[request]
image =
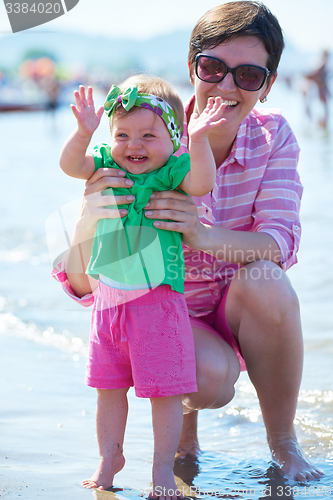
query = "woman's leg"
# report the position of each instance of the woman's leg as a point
(111, 416)
(262, 311)
(167, 415)
(217, 372)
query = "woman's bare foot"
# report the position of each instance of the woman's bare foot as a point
(188, 443)
(102, 479)
(287, 453)
(164, 484)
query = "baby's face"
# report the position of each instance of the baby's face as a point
(140, 142)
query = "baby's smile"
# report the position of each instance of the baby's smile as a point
(137, 159)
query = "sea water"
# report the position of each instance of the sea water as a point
(235, 462)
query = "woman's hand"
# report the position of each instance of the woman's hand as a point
(94, 203)
(93, 209)
(182, 211)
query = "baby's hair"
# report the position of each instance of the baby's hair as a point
(148, 84)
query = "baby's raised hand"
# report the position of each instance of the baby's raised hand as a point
(84, 110)
(210, 118)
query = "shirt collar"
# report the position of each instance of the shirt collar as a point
(238, 148)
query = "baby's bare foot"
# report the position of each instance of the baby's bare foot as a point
(288, 454)
(102, 479)
(164, 484)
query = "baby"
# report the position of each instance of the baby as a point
(140, 333)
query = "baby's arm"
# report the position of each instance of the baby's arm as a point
(74, 159)
(200, 179)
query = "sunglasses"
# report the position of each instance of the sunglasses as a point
(247, 76)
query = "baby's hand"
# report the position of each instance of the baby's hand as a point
(87, 118)
(212, 117)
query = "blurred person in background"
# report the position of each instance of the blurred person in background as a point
(319, 79)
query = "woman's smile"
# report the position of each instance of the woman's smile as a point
(230, 104)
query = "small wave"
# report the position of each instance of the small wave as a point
(64, 341)
(248, 414)
(18, 254)
(23, 254)
(323, 432)
(313, 418)
(316, 396)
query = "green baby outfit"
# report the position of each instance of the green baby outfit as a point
(130, 250)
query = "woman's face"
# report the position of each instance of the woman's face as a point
(241, 50)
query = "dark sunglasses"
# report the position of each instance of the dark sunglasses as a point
(247, 76)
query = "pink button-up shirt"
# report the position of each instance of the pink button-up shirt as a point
(257, 189)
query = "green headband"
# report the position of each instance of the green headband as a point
(131, 97)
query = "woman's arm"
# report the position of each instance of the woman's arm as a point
(239, 247)
(93, 209)
(277, 204)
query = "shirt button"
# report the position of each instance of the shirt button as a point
(213, 204)
(296, 228)
(216, 293)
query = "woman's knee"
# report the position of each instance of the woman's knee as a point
(228, 377)
(215, 380)
(264, 285)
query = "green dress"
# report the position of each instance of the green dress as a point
(130, 250)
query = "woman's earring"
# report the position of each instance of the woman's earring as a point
(264, 99)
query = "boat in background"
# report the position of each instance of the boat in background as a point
(6, 107)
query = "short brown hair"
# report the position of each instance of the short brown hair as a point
(231, 20)
(149, 84)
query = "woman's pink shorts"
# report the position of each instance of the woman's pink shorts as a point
(146, 342)
(216, 323)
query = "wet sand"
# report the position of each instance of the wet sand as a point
(47, 422)
(48, 441)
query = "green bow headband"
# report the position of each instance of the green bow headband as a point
(131, 97)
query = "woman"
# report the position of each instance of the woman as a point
(240, 238)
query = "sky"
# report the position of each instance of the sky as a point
(306, 23)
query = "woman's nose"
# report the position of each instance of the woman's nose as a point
(227, 84)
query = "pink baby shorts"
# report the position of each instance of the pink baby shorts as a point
(146, 342)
